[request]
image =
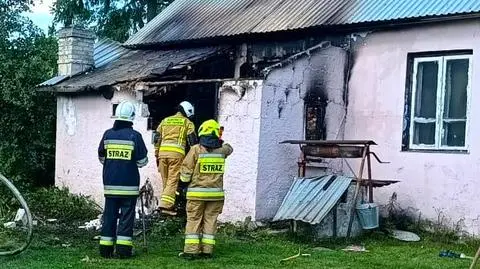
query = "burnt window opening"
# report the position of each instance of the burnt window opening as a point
(202, 96)
(436, 101)
(163, 102)
(114, 107)
(315, 109)
(107, 92)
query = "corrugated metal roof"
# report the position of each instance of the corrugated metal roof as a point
(106, 51)
(135, 66)
(52, 81)
(390, 10)
(311, 199)
(200, 19)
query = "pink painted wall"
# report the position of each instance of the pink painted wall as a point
(431, 182)
(81, 122)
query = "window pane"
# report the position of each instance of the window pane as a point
(454, 134)
(426, 90)
(456, 82)
(424, 133)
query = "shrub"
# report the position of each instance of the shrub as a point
(60, 204)
(168, 227)
(398, 217)
(8, 205)
(443, 229)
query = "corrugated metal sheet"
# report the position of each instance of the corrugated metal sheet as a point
(390, 10)
(52, 81)
(311, 199)
(200, 19)
(107, 51)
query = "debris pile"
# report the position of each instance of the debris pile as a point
(95, 224)
(10, 225)
(404, 236)
(355, 248)
(20, 220)
(452, 254)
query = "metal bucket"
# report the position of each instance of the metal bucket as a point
(368, 215)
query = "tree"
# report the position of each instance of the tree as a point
(71, 12)
(27, 117)
(116, 19)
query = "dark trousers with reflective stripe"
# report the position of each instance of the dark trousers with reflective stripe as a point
(124, 210)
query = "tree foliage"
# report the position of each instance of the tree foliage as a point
(71, 12)
(116, 19)
(27, 117)
(28, 57)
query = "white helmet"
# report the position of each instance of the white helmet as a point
(187, 108)
(125, 111)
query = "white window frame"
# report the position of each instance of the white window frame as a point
(440, 103)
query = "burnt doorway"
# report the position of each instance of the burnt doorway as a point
(163, 102)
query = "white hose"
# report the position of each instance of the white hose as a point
(22, 201)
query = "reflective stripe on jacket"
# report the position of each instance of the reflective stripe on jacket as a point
(204, 170)
(173, 133)
(205, 194)
(122, 152)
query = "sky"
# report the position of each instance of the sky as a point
(40, 14)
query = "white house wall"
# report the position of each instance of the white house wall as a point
(283, 118)
(434, 184)
(81, 122)
(241, 119)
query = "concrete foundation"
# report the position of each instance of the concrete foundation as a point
(328, 229)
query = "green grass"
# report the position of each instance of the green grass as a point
(233, 252)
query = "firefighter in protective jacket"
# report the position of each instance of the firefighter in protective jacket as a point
(121, 151)
(176, 134)
(203, 170)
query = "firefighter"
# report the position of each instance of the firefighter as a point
(121, 151)
(175, 135)
(202, 170)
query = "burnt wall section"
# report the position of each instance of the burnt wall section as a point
(261, 54)
(319, 73)
(327, 81)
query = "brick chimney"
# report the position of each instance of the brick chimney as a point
(75, 50)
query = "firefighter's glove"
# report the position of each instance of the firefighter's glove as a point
(182, 188)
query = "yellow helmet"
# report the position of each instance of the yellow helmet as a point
(209, 127)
